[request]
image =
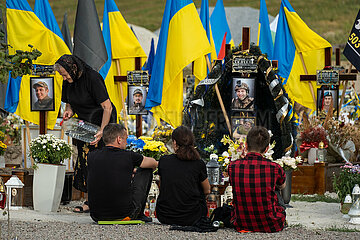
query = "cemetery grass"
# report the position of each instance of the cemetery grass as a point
(330, 19)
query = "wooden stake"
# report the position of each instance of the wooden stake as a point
(122, 95)
(29, 139)
(344, 90)
(220, 99)
(245, 38)
(24, 142)
(306, 73)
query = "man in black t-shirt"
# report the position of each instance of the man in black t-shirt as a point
(114, 191)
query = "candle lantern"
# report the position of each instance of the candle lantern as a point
(213, 168)
(321, 153)
(354, 211)
(14, 192)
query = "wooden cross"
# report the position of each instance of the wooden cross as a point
(342, 76)
(122, 79)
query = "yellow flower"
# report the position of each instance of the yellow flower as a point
(3, 145)
(212, 125)
(203, 135)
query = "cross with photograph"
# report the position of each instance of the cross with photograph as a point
(243, 94)
(241, 126)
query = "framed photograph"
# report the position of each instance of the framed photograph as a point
(243, 94)
(326, 97)
(241, 126)
(136, 100)
(42, 94)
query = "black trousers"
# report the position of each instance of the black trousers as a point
(141, 184)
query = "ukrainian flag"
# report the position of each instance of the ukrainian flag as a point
(121, 45)
(200, 65)
(265, 41)
(293, 39)
(23, 28)
(182, 40)
(220, 26)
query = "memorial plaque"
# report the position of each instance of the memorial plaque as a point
(327, 77)
(138, 78)
(244, 64)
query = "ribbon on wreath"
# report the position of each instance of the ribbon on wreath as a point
(306, 146)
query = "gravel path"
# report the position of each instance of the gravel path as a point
(306, 220)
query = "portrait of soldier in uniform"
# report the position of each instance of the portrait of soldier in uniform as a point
(325, 100)
(137, 104)
(242, 99)
(44, 101)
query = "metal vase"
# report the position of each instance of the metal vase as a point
(286, 192)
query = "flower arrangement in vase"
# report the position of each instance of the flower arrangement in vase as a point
(288, 163)
(49, 149)
(345, 181)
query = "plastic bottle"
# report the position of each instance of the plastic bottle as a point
(211, 203)
(80, 130)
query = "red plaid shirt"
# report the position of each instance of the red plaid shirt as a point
(255, 202)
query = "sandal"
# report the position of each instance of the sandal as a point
(81, 209)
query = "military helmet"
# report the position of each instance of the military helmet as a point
(242, 86)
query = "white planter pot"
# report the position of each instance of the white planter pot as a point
(48, 186)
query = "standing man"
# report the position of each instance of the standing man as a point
(118, 180)
(242, 100)
(256, 183)
(44, 102)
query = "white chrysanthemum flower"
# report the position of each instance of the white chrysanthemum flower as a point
(225, 154)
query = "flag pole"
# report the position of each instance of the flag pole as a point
(306, 73)
(219, 97)
(344, 89)
(122, 95)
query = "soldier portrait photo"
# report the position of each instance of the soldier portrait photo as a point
(324, 100)
(241, 126)
(243, 94)
(136, 100)
(42, 94)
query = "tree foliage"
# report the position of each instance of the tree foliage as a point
(19, 63)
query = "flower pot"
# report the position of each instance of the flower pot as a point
(312, 156)
(286, 192)
(48, 187)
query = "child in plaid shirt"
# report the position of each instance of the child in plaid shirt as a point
(255, 181)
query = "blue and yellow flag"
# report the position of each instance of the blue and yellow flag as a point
(182, 40)
(220, 26)
(121, 45)
(265, 41)
(295, 41)
(200, 66)
(23, 28)
(150, 60)
(44, 12)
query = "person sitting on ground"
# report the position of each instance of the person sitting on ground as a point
(183, 182)
(114, 192)
(256, 182)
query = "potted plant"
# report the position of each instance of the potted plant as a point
(346, 180)
(289, 164)
(48, 152)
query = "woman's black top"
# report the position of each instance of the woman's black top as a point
(181, 200)
(85, 96)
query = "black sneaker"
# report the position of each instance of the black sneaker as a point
(144, 218)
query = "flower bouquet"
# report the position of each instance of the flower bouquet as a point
(288, 163)
(11, 127)
(147, 146)
(236, 148)
(312, 136)
(346, 180)
(49, 149)
(3, 147)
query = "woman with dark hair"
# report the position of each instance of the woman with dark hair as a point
(85, 94)
(183, 182)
